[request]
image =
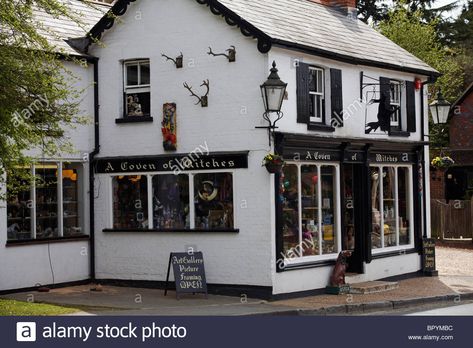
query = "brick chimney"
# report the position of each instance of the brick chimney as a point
(347, 6)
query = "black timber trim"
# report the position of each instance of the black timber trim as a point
(321, 127)
(23, 242)
(349, 59)
(171, 230)
(265, 42)
(50, 286)
(252, 291)
(134, 119)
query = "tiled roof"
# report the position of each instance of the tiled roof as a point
(325, 29)
(295, 24)
(58, 30)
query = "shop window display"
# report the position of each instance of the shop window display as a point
(19, 206)
(213, 200)
(130, 202)
(47, 201)
(391, 201)
(171, 201)
(290, 204)
(72, 202)
(309, 227)
(52, 219)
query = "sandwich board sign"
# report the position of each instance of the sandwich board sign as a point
(189, 273)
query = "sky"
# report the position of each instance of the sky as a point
(440, 3)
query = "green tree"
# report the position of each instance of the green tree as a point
(377, 10)
(37, 100)
(461, 37)
(410, 31)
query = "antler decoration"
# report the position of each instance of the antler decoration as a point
(177, 61)
(231, 56)
(203, 100)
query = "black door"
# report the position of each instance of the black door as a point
(352, 209)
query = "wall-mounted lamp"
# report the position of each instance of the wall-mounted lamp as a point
(273, 92)
(440, 109)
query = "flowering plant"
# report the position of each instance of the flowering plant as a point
(273, 159)
(442, 162)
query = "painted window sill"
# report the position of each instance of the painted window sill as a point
(170, 230)
(399, 252)
(23, 242)
(305, 265)
(320, 127)
(134, 119)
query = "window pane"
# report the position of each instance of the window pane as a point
(46, 201)
(290, 203)
(132, 75)
(312, 112)
(329, 244)
(404, 206)
(130, 202)
(213, 200)
(320, 81)
(138, 104)
(73, 204)
(389, 206)
(19, 207)
(312, 80)
(144, 74)
(310, 210)
(376, 210)
(171, 201)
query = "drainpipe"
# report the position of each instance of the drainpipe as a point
(95, 62)
(430, 80)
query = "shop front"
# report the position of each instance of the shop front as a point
(346, 195)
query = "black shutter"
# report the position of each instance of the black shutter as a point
(336, 97)
(411, 106)
(303, 93)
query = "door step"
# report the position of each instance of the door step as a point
(372, 287)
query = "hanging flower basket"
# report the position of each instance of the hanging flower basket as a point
(273, 163)
(442, 162)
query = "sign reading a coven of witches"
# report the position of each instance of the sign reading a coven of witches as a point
(189, 273)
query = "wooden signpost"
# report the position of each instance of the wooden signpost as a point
(189, 273)
(428, 257)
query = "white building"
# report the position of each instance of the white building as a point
(353, 179)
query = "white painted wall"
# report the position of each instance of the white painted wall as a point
(354, 125)
(172, 26)
(151, 28)
(28, 265)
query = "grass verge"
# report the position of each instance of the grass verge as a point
(18, 308)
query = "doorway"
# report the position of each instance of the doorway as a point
(352, 210)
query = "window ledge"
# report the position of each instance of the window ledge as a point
(399, 252)
(134, 119)
(398, 133)
(320, 127)
(170, 230)
(304, 265)
(22, 242)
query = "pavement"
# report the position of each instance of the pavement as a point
(453, 287)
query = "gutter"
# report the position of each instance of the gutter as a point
(92, 155)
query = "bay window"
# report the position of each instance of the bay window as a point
(392, 206)
(310, 210)
(201, 201)
(51, 206)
